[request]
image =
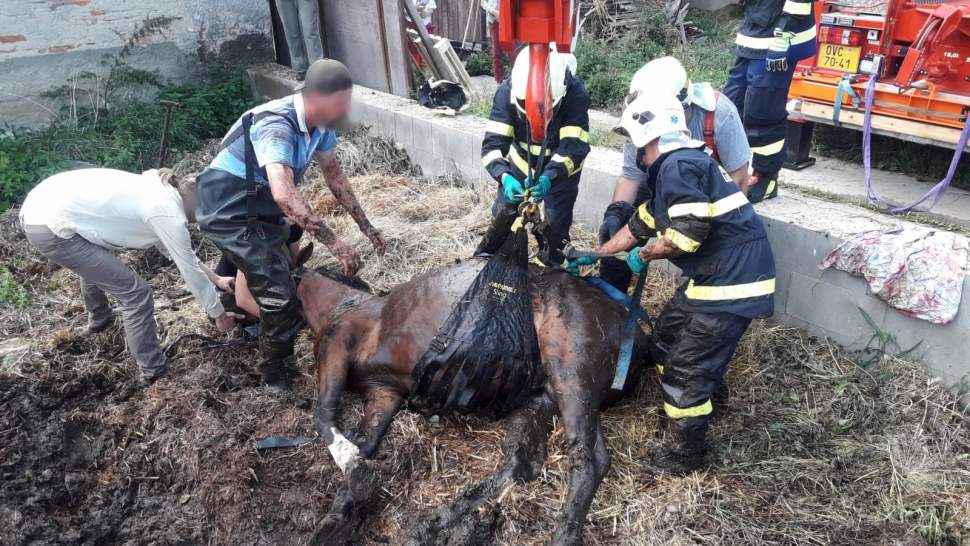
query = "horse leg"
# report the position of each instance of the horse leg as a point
(589, 459)
(461, 522)
(380, 407)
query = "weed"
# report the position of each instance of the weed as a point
(481, 107)
(881, 344)
(12, 294)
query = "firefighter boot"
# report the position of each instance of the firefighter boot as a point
(682, 451)
(273, 357)
(762, 186)
(720, 401)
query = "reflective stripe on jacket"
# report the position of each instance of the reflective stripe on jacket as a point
(506, 147)
(762, 17)
(698, 208)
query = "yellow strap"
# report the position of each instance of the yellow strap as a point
(730, 292)
(708, 210)
(647, 218)
(571, 168)
(534, 150)
(797, 8)
(697, 411)
(492, 156)
(769, 149)
(499, 128)
(681, 241)
(573, 131)
(517, 224)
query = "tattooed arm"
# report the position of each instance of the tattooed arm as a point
(295, 208)
(337, 181)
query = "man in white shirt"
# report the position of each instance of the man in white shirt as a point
(77, 218)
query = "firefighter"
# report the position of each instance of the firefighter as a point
(248, 198)
(507, 150)
(774, 36)
(705, 226)
(706, 113)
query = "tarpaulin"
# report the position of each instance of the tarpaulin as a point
(917, 270)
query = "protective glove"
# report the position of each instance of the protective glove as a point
(777, 60)
(617, 215)
(537, 192)
(514, 191)
(573, 265)
(635, 262)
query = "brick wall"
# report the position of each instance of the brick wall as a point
(45, 43)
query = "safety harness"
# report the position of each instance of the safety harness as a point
(709, 128)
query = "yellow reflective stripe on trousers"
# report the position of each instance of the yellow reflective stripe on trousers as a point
(697, 411)
(681, 241)
(572, 131)
(660, 368)
(647, 218)
(492, 156)
(764, 43)
(571, 168)
(730, 292)
(499, 128)
(534, 150)
(520, 163)
(769, 149)
(797, 8)
(708, 210)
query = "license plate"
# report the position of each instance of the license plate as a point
(839, 57)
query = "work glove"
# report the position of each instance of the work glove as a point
(635, 262)
(573, 265)
(777, 60)
(538, 191)
(617, 215)
(514, 191)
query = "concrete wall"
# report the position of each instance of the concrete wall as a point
(802, 231)
(45, 43)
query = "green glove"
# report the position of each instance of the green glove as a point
(514, 190)
(635, 262)
(573, 265)
(538, 192)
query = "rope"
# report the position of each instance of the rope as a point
(936, 191)
(212, 344)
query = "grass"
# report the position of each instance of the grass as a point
(12, 293)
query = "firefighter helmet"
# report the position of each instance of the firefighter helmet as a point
(656, 115)
(663, 74)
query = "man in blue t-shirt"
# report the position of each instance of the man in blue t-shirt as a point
(247, 199)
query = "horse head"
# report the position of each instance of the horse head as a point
(326, 293)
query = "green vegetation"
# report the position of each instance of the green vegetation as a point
(12, 294)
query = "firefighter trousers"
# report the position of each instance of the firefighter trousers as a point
(557, 206)
(260, 255)
(691, 351)
(761, 98)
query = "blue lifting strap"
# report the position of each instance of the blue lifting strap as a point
(270, 443)
(619, 297)
(845, 87)
(626, 346)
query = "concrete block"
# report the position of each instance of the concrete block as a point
(832, 308)
(945, 345)
(422, 159)
(422, 134)
(385, 123)
(840, 278)
(403, 129)
(455, 144)
(962, 319)
(799, 249)
(782, 280)
(362, 113)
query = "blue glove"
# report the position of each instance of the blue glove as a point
(538, 192)
(514, 190)
(635, 262)
(573, 265)
(777, 59)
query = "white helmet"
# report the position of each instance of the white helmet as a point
(558, 68)
(663, 74)
(656, 115)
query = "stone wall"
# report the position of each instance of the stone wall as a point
(802, 231)
(47, 43)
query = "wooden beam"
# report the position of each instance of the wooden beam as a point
(896, 127)
(412, 11)
(444, 46)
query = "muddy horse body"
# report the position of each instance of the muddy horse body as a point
(369, 344)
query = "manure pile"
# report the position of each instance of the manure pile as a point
(814, 449)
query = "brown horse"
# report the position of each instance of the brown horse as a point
(369, 344)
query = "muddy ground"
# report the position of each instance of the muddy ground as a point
(814, 448)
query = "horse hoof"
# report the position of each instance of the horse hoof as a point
(361, 480)
(334, 529)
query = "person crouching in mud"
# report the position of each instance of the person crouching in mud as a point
(705, 226)
(77, 218)
(248, 196)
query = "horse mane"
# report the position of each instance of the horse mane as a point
(354, 282)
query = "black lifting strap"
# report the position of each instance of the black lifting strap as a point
(246, 122)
